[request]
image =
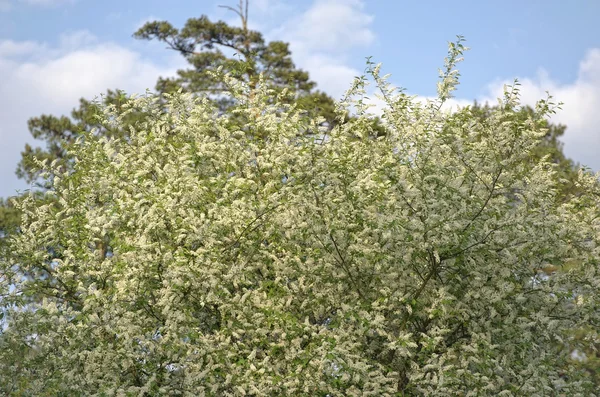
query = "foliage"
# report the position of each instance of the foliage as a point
(550, 145)
(193, 259)
(60, 132)
(9, 217)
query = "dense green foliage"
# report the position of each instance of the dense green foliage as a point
(196, 258)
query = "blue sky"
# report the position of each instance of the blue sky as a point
(52, 52)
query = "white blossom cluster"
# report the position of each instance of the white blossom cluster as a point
(196, 259)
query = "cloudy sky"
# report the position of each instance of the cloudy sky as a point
(53, 52)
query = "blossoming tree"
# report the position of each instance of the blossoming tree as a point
(196, 259)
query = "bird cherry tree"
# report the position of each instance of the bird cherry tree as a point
(329, 263)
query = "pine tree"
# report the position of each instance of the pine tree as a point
(211, 46)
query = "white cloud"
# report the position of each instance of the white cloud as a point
(333, 26)
(11, 49)
(580, 112)
(332, 75)
(321, 38)
(41, 79)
